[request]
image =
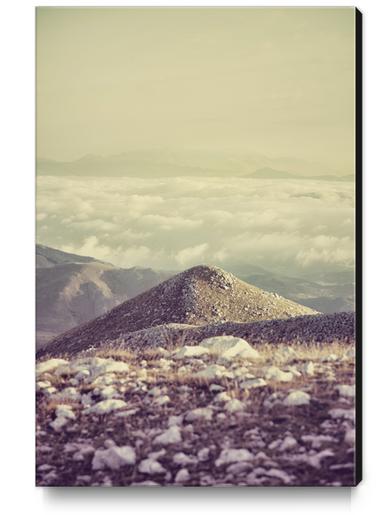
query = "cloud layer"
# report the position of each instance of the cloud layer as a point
(174, 223)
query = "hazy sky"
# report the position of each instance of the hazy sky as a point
(275, 81)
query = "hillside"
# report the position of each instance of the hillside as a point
(199, 296)
(72, 289)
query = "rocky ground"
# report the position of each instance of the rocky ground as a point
(214, 414)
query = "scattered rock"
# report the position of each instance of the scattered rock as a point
(171, 436)
(199, 413)
(151, 467)
(229, 347)
(346, 390)
(253, 383)
(190, 352)
(297, 398)
(49, 365)
(107, 406)
(275, 374)
(233, 456)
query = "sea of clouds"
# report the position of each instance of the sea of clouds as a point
(174, 223)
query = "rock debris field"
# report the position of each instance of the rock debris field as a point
(216, 413)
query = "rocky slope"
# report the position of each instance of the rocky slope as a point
(200, 296)
(220, 413)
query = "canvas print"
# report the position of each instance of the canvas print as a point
(198, 231)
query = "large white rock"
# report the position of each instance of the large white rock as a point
(229, 347)
(190, 351)
(297, 398)
(180, 458)
(233, 456)
(170, 436)
(49, 365)
(114, 457)
(213, 372)
(253, 383)
(346, 390)
(64, 410)
(276, 374)
(199, 414)
(348, 414)
(59, 422)
(107, 406)
(151, 466)
(234, 406)
(182, 476)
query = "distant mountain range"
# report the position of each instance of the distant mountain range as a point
(72, 290)
(271, 173)
(164, 163)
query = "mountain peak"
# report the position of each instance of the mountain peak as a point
(202, 295)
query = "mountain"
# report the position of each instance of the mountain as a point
(47, 257)
(200, 296)
(152, 163)
(328, 293)
(271, 173)
(72, 289)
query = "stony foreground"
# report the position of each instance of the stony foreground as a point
(220, 413)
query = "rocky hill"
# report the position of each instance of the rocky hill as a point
(200, 296)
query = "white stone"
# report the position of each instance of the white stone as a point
(317, 441)
(109, 392)
(175, 420)
(222, 397)
(350, 436)
(203, 454)
(58, 423)
(348, 414)
(151, 466)
(70, 393)
(213, 372)
(346, 390)
(182, 476)
(49, 365)
(113, 458)
(229, 347)
(297, 398)
(233, 456)
(107, 406)
(309, 368)
(275, 374)
(199, 413)
(234, 406)
(171, 436)
(216, 388)
(280, 474)
(180, 458)
(288, 443)
(253, 383)
(64, 410)
(162, 400)
(42, 385)
(189, 351)
(316, 459)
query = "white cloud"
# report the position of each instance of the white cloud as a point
(178, 222)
